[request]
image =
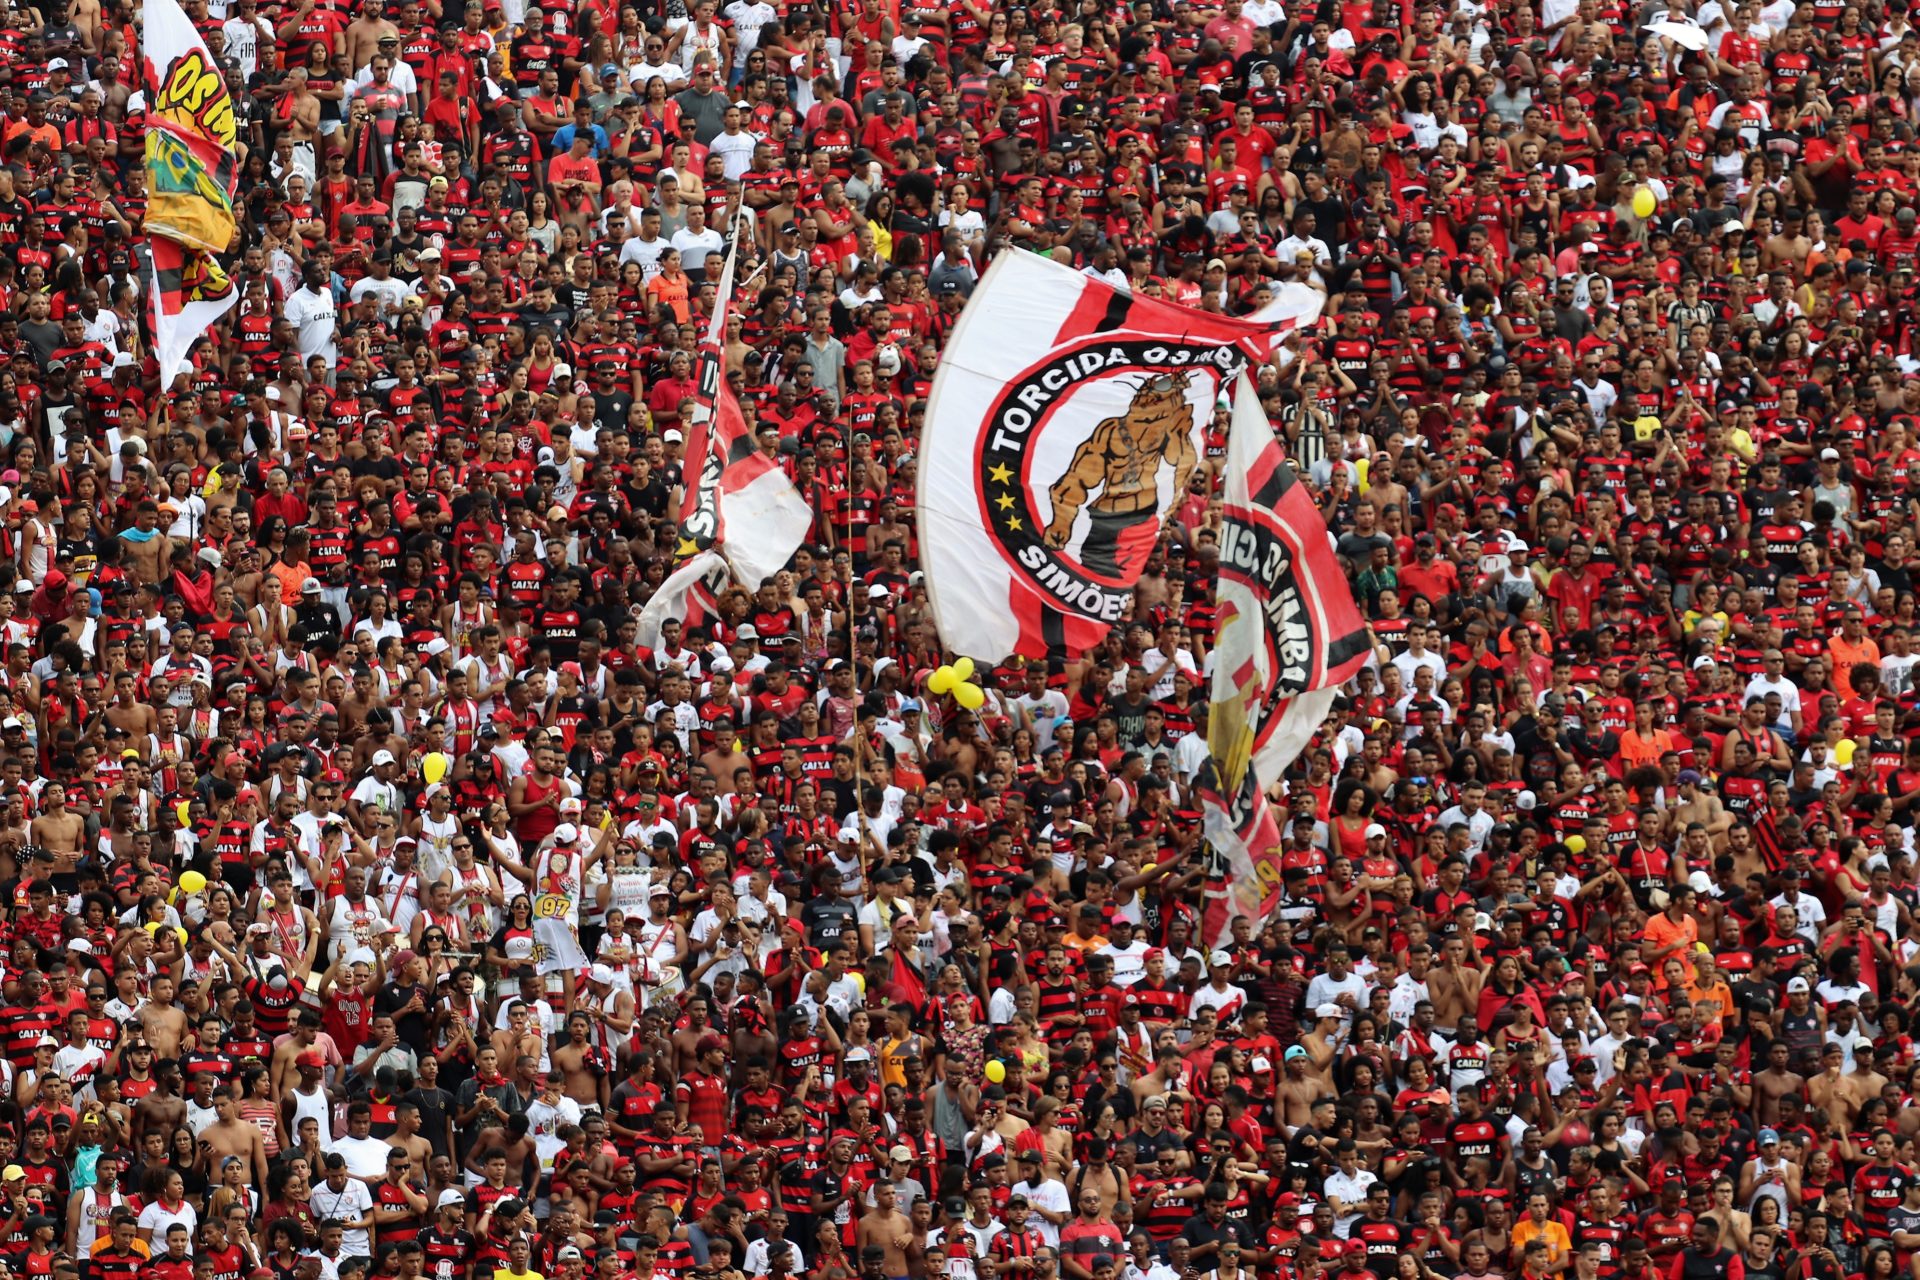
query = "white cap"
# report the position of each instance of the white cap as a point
(1589, 247)
(1327, 1011)
(562, 370)
(601, 974)
(566, 833)
(1375, 829)
(1220, 960)
(672, 435)
(1516, 547)
(1829, 455)
(310, 587)
(451, 1195)
(428, 254)
(12, 722)
(570, 805)
(437, 646)
(1796, 986)
(58, 64)
(123, 360)
(857, 1054)
(1699, 882)
(383, 757)
(1526, 800)
(877, 591)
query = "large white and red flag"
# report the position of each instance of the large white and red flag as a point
(740, 512)
(1064, 424)
(1287, 634)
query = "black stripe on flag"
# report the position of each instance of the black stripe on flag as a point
(1118, 307)
(1053, 629)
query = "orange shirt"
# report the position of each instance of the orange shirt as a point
(1662, 933)
(1636, 751)
(1847, 655)
(672, 293)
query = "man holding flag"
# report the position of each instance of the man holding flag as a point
(731, 487)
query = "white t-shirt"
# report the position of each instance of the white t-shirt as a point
(156, 1218)
(696, 246)
(365, 1157)
(1049, 1194)
(313, 316)
(349, 1204)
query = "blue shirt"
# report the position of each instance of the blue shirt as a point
(563, 139)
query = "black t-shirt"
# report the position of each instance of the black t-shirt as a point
(411, 1028)
(828, 921)
(435, 1104)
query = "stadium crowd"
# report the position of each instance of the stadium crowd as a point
(377, 906)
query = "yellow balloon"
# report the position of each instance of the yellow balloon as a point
(963, 669)
(181, 809)
(192, 882)
(1843, 752)
(941, 680)
(434, 767)
(996, 1070)
(1576, 844)
(969, 696)
(1644, 203)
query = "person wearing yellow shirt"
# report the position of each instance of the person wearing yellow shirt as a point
(519, 1255)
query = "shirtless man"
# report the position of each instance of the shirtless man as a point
(147, 552)
(163, 1025)
(229, 1135)
(163, 1109)
(1790, 246)
(724, 760)
(1293, 1099)
(58, 830)
(1454, 985)
(1700, 807)
(408, 1138)
(1774, 1083)
(1832, 1092)
(582, 1078)
(127, 711)
(298, 111)
(885, 1227)
(520, 1037)
(363, 35)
